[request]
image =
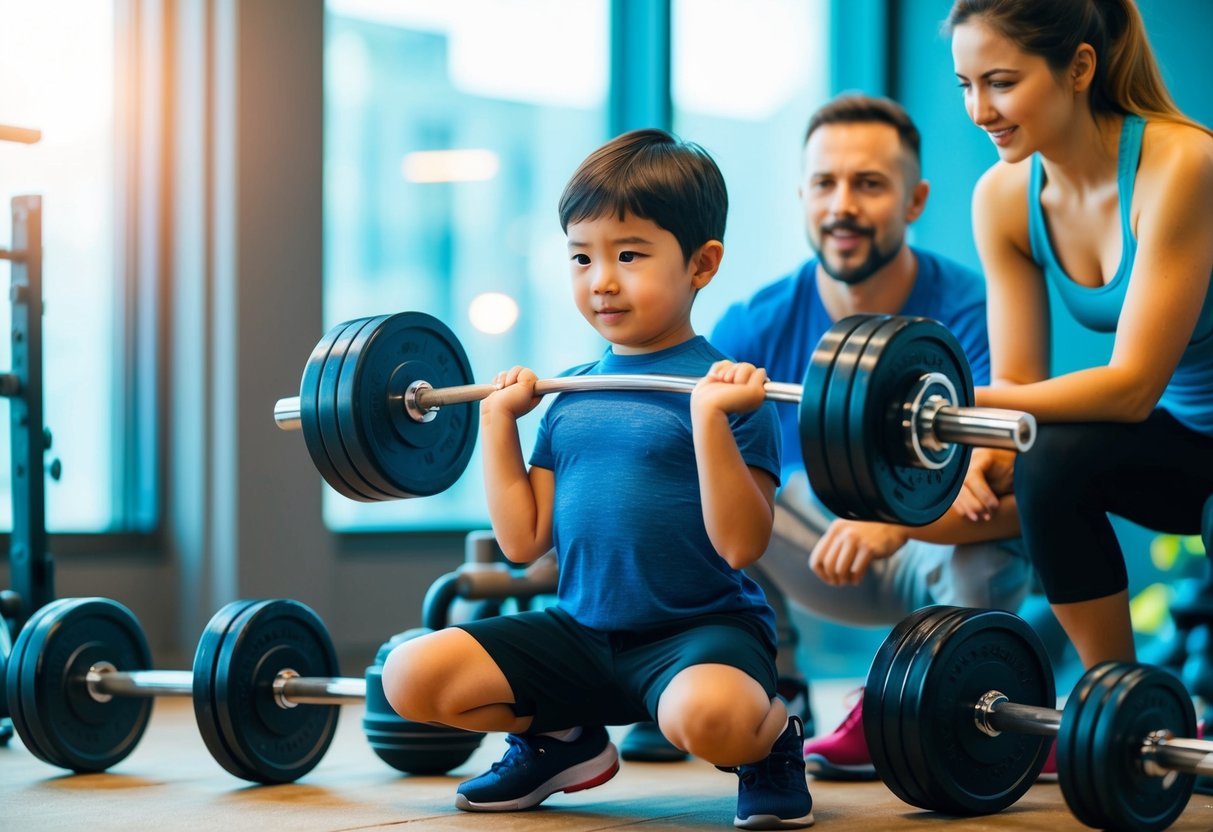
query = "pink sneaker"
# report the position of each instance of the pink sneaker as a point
(843, 755)
(1048, 774)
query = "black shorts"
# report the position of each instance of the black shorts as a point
(565, 674)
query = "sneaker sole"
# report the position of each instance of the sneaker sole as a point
(822, 769)
(774, 822)
(593, 772)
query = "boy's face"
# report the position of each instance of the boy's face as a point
(631, 283)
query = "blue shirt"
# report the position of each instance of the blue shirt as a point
(779, 327)
(627, 518)
(1189, 394)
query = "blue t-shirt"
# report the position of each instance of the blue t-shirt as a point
(779, 327)
(1189, 394)
(627, 518)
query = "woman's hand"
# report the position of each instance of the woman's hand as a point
(991, 475)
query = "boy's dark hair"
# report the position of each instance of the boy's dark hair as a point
(853, 108)
(653, 175)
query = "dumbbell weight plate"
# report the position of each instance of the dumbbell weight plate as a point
(896, 355)
(414, 458)
(883, 692)
(309, 415)
(13, 681)
(1100, 770)
(963, 770)
(272, 743)
(1072, 749)
(57, 718)
(206, 664)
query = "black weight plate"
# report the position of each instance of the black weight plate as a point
(1077, 726)
(14, 680)
(206, 713)
(309, 413)
(913, 779)
(71, 728)
(814, 437)
(1130, 702)
(894, 359)
(881, 695)
(835, 485)
(417, 458)
(873, 696)
(280, 744)
(863, 443)
(966, 771)
(335, 442)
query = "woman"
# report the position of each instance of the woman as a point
(1113, 205)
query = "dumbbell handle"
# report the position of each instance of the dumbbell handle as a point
(981, 426)
(1161, 753)
(290, 689)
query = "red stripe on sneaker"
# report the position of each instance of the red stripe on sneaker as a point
(595, 781)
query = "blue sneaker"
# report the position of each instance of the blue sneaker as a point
(535, 767)
(773, 793)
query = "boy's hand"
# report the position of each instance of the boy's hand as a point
(515, 394)
(730, 388)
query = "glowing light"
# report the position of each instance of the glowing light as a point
(450, 166)
(493, 312)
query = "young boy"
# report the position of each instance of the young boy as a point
(654, 503)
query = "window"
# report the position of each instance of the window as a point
(450, 131)
(59, 77)
(746, 77)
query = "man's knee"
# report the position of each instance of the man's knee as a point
(993, 575)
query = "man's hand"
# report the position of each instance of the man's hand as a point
(844, 553)
(730, 388)
(991, 475)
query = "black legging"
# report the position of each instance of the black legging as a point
(1156, 473)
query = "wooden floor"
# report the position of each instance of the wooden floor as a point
(170, 782)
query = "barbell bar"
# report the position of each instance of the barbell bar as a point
(263, 684)
(959, 707)
(885, 412)
(987, 427)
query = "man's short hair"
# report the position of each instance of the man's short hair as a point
(653, 175)
(854, 108)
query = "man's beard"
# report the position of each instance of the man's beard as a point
(875, 261)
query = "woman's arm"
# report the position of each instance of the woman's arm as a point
(1167, 288)
(738, 501)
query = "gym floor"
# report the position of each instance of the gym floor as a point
(171, 782)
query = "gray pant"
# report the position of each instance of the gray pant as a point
(993, 575)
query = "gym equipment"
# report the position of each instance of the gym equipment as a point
(263, 685)
(383, 408)
(958, 711)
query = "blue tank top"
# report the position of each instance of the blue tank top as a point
(1189, 394)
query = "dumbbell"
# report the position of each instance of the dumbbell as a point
(885, 412)
(264, 686)
(958, 711)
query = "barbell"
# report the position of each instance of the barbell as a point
(959, 709)
(885, 412)
(264, 686)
